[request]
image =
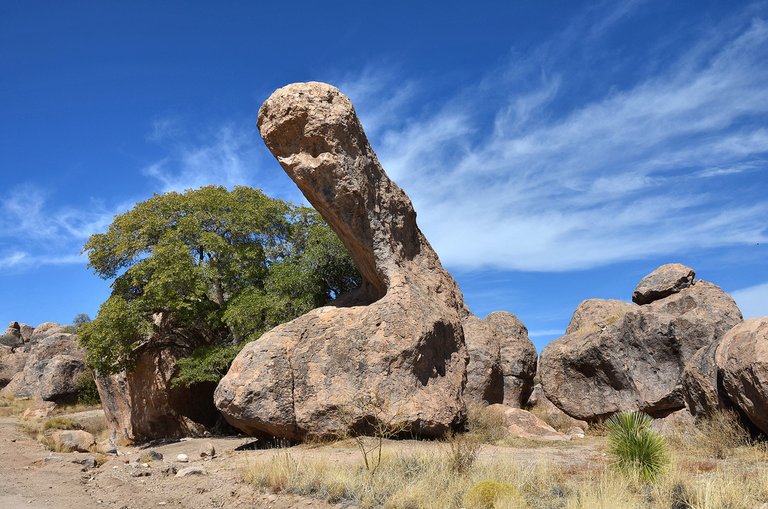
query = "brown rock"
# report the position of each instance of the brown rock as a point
(502, 360)
(742, 361)
(678, 423)
(12, 362)
(399, 340)
(12, 336)
(141, 404)
(71, 440)
(54, 363)
(45, 329)
(633, 362)
(662, 282)
(539, 404)
(700, 385)
(523, 424)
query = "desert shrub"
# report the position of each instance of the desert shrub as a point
(720, 433)
(61, 423)
(462, 452)
(87, 393)
(635, 447)
(490, 494)
(486, 426)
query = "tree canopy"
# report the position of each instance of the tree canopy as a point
(225, 265)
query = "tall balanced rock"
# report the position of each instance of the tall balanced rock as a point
(399, 345)
(502, 360)
(618, 356)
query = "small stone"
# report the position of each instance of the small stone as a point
(141, 473)
(207, 450)
(87, 462)
(155, 455)
(182, 458)
(184, 472)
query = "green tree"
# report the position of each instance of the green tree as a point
(225, 266)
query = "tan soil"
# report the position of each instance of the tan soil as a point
(32, 477)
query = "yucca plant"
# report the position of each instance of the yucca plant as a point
(635, 447)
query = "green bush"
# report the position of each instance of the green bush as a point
(491, 494)
(87, 393)
(635, 447)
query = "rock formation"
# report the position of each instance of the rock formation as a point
(396, 351)
(742, 361)
(618, 356)
(523, 424)
(141, 404)
(539, 404)
(700, 383)
(54, 361)
(12, 361)
(663, 282)
(502, 360)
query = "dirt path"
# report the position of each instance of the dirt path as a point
(32, 477)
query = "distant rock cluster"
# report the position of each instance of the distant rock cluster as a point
(43, 362)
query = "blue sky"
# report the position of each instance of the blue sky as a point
(554, 151)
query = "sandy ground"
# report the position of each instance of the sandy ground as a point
(32, 477)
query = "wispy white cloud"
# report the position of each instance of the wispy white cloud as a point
(753, 300)
(516, 181)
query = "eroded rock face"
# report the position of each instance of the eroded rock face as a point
(621, 357)
(141, 404)
(542, 406)
(742, 359)
(700, 385)
(400, 337)
(663, 282)
(523, 424)
(54, 363)
(502, 360)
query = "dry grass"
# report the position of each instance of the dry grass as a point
(440, 475)
(10, 406)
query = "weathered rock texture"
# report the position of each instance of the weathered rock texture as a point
(502, 360)
(617, 356)
(53, 364)
(12, 361)
(141, 404)
(400, 339)
(540, 405)
(700, 383)
(523, 424)
(663, 282)
(742, 360)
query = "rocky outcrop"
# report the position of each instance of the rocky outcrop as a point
(393, 350)
(619, 357)
(663, 282)
(53, 364)
(742, 361)
(502, 360)
(142, 404)
(44, 330)
(523, 424)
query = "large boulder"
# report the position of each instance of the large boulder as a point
(742, 361)
(54, 364)
(12, 361)
(12, 336)
(44, 330)
(502, 360)
(142, 404)
(393, 350)
(663, 282)
(619, 357)
(523, 424)
(540, 405)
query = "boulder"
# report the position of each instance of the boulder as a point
(502, 360)
(621, 357)
(742, 362)
(45, 329)
(12, 361)
(12, 336)
(71, 440)
(523, 424)
(393, 350)
(53, 365)
(663, 282)
(142, 405)
(540, 405)
(677, 424)
(700, 385)
(26, 331)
